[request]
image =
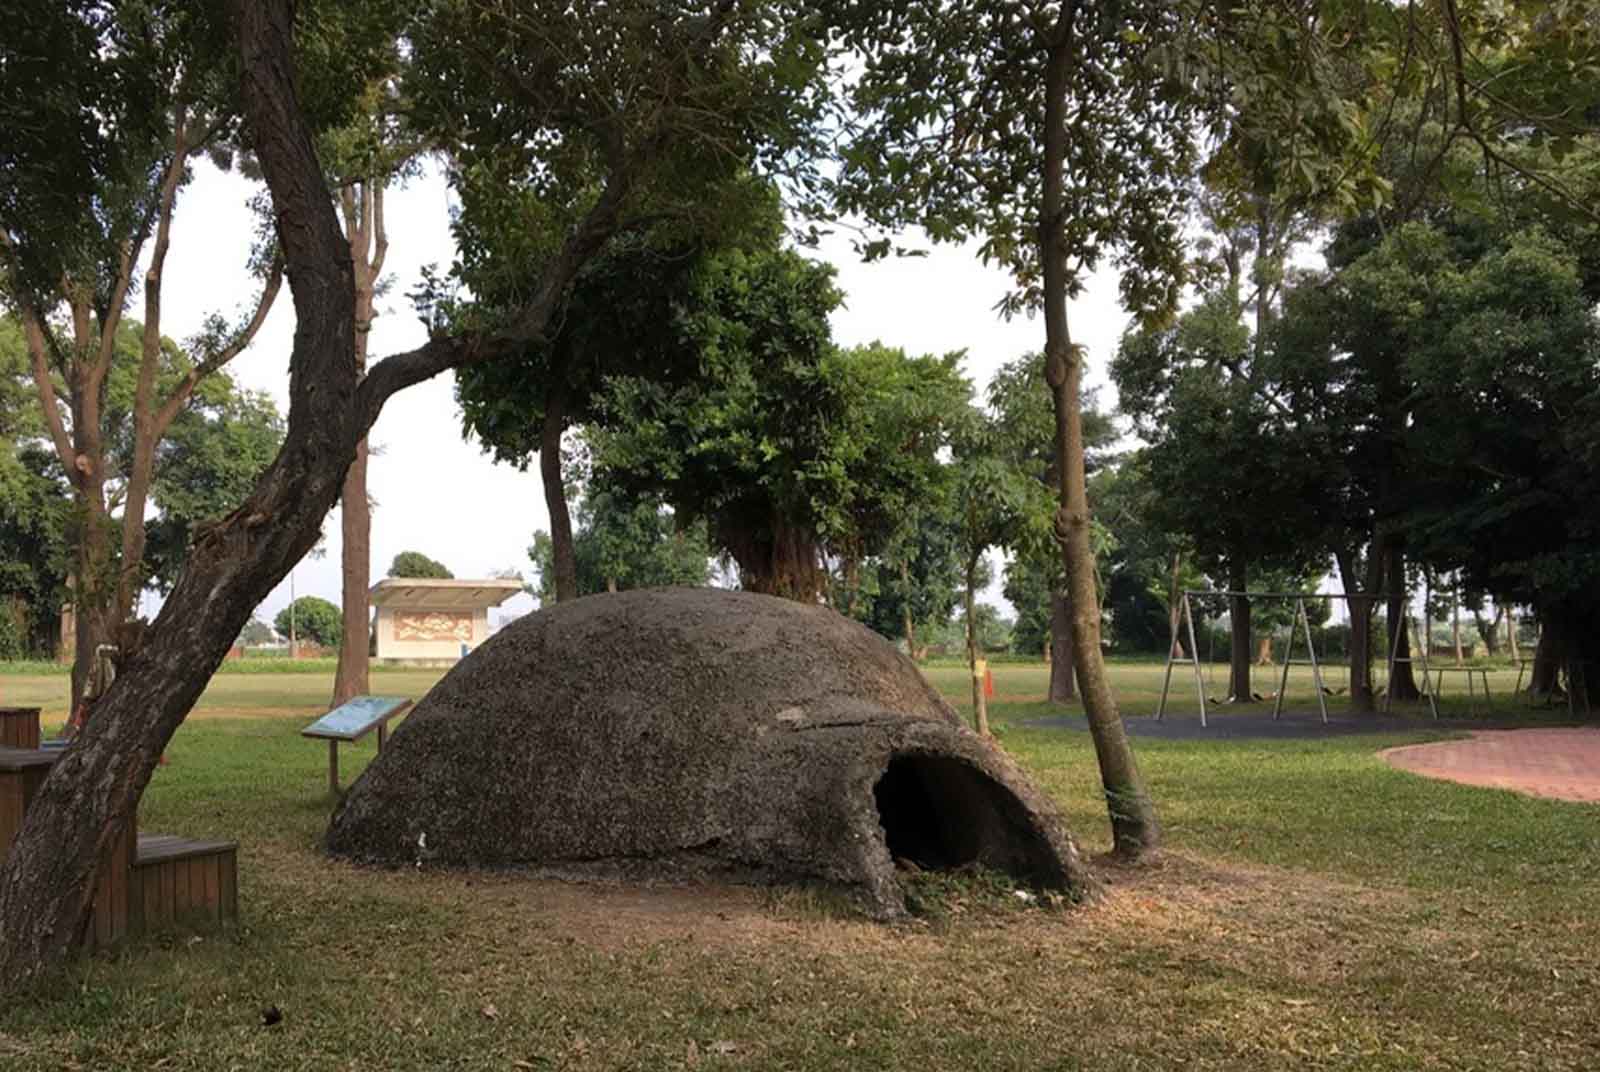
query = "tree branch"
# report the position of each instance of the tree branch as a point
(235, 346)
(35, 333)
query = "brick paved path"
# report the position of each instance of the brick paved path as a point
(1560, 763)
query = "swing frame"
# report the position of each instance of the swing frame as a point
(1185, 621)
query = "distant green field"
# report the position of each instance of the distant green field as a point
(276, 685)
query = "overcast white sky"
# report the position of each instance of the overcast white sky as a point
(439, 494)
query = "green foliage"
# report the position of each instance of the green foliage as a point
(785, 446)
(926, 156)
(636, 118)
(623, 318)
(255, 633)
(206, 465)
(417, 564)
(994, 632)
(1229, 469)
(623, 542)
(312, 618)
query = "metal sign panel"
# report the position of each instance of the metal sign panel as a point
(356, 718)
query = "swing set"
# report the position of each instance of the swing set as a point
(1183, 624)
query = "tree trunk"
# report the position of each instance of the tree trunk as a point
(369, 243)
(94, 599)
(1511, 633)
(1062, 676)
(1362, 699)
(1134, 828)
(1548, 656)
(1455, 631)
(555, 492)
(1239, 654)
(1489, 630)
(1402, 683)
(92, 791)
(781, 561)
(905, 606)
(980, 704)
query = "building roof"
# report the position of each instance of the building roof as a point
(417, 593)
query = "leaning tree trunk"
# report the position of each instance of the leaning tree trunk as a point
(90, 794)
(1239, 636)
(1402, 682)
(1062, 676)
(555, 492)
(980, 704)
(1134, 828)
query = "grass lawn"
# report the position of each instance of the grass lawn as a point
(1316, 909)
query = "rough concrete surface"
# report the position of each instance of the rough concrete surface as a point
(687, 732)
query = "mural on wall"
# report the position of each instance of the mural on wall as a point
(432, 625)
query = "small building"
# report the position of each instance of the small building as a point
(433, 621)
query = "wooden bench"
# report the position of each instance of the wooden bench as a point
(147, 882)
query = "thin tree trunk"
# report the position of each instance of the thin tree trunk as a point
(980, 705)
(1511, 633)
(1134, 828)
(1239, 635)
(905, 606)
(1455, 630)
(555, 493)
(1362, 696)
(1062, 676)
(369, 243)
(1402, 683)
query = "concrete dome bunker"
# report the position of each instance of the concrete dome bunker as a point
(681, 733)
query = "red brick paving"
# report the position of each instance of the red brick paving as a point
(1559, 763)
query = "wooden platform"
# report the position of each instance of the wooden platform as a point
(148, 882)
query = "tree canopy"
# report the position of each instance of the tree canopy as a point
(417, 564)
(310, 618)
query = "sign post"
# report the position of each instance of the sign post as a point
(352, 721)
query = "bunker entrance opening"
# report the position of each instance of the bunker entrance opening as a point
(940, 814)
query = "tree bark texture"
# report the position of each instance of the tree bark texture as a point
(1134, 828)
(1239, 654)
(780, 560)
(1063, 680)
(980, 705)
(555, 492)
(364, 229)
(905, 606)
(46, 881)
(1549, 656)
(1402, 682)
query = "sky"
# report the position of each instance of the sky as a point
(437, 493)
